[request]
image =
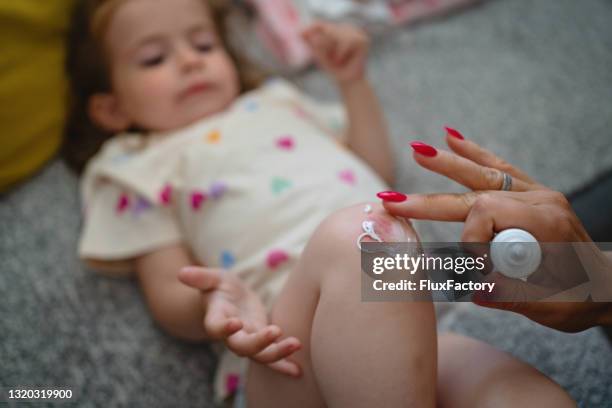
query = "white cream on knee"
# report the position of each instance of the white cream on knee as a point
(382, 227)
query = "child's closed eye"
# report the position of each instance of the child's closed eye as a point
(204, 47)
(203, 41)
(152, 61)
(151, 55)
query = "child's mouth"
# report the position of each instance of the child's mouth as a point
(194, 90)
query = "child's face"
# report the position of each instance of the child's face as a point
(168, 67)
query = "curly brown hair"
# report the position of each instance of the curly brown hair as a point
(87, 72)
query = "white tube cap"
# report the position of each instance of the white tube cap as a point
(519, 256)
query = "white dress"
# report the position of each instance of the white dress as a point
(243, 190)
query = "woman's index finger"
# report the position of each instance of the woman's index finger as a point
(434, 207)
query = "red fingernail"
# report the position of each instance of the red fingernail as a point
(424, 149)
(454, 133)
(392, 196)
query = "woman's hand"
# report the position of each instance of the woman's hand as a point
(235, 315)
(339, 49)
(486, 211)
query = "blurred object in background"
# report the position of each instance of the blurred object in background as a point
(375, 15)
(279, 22)
(32, 85)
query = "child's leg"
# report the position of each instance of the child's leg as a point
(355, 354)
(473, 374)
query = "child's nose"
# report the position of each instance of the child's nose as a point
(189, 59)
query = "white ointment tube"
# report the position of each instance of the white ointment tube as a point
(515, 253)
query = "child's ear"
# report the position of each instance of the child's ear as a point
(105, 111)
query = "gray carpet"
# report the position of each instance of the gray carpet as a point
(529, 79)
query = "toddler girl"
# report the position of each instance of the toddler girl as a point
(201, 171)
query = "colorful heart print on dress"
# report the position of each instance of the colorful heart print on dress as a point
(280, 184)
(217, 189)
(197, 199)
(165, 195)
(251, 106)
(213, 137)
(301, 113)
(276, 257)
(227, 259)
(141, 205)
(348, 176)
(122, 203)
(285, 143)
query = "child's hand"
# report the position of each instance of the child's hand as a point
(339, 49)
(235, 315)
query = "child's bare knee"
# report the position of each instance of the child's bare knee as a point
(343, 231)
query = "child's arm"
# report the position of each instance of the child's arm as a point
(341, 50)
(177, 308)
(199, 304)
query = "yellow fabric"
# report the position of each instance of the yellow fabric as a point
(32, 84)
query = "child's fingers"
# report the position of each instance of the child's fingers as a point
(199, 277)
(321, 56)
(250, 344)
(278, 351)
(286, 367)
(321, 28)
(315, 27)
(320, 37)
(350, 41)
(314, 35)
(218, 325)
(343, 50)
(315, 43)
(316, 46)
(325, 43)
